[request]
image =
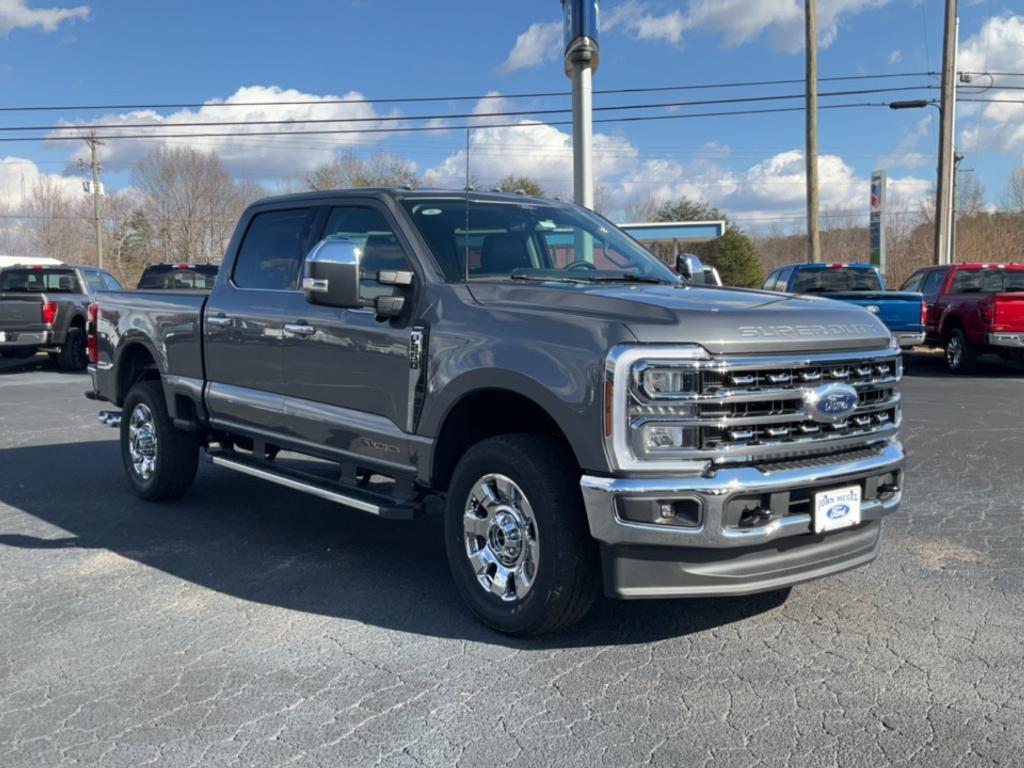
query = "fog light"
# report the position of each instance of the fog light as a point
(660, 438)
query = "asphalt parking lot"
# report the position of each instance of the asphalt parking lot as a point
(249, 625)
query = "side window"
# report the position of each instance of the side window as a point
(784, 276)
(273, 249)
(110, 282)
(933, 283)
(769, 284)
(914, 283)
(367, 228)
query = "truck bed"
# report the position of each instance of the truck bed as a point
(899, 310)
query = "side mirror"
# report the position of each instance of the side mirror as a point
(690, 267)
(332, 273)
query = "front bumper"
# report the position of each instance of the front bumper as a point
(17, 339)
(722, 553)
(1011, 340)
(907, 340)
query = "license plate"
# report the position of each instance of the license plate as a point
(838, 508)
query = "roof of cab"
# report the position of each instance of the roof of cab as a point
(419, 193)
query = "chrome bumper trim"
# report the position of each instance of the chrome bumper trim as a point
(909, 339)
(600, 494)
(1015, 340)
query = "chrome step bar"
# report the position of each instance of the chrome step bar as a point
(381, 508)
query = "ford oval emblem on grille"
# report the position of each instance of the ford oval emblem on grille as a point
(831, 403)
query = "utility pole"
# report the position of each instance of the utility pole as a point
(947, 127)
(813, 225)
(93, 143)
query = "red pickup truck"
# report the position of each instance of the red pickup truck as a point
(972, 309)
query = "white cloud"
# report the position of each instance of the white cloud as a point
(528, 148)
(768, 191)
(16, 14)
(19, 176)
(996, 47)
(537, 45)
(255, 157)
(642, 23)
(782, 21)
(895, 57)
(905, 154)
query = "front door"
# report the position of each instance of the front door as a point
(347, 374)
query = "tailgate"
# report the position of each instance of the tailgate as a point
(21, 312)
(899, 310)
(1009, 311)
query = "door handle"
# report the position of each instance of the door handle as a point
(299, 329)
(219, 320)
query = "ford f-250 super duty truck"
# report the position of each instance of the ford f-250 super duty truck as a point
(590, 418)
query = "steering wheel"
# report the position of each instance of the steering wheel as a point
(580, 264)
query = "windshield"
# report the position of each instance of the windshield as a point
(39, 280)
(530, 240)
(835, 279)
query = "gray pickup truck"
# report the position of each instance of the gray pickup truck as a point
(590, 418)
(44, 309)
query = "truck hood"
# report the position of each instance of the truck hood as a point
(722, 320)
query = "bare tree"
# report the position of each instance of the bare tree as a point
(1013, 197)
(382, 169)
(54, 227)
(190, 201)
(643, 209)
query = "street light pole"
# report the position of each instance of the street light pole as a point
(582, 56)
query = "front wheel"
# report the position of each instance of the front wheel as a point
(160, 460)
(961, 356)
(516, 536)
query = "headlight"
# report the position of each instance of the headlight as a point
(658, 382)
(651, 404)
(653, 440)
(894, 344)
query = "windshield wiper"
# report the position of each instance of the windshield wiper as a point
(548, 278)
(628, 278)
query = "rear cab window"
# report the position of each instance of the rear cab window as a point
(179, 277)
(39, 281)
(836, 279)
(272, 250)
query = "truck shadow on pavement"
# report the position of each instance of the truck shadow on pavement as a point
(265, 544)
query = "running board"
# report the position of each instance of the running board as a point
(381, 506)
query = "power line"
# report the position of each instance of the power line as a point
(462, 116)
(438, 128)
(433, 99)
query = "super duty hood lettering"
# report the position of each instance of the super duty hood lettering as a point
(805, 331)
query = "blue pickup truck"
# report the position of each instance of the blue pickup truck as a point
(861, 284)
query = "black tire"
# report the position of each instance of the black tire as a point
(73, 355)
(176, 455)
(566, 579)
(961, 355)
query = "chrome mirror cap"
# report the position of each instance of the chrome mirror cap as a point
(690, 267)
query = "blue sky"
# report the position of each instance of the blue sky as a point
(114, 51)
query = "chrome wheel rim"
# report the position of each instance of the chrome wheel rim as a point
(954, 351)
(142, 443)
(500, 536)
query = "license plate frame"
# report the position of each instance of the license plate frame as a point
(836, 508)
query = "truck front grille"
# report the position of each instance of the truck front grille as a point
(755, 408)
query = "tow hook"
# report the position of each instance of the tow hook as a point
(110, 419)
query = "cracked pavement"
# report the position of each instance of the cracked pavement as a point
(248, 625)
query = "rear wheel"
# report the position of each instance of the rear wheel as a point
(160, 461)
(73, 356)
(516, 536)
(961, 355)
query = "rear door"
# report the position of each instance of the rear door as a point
(243, 324)
(1009, 309)
(347, 374)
